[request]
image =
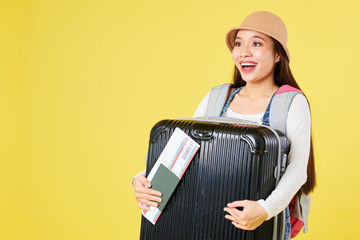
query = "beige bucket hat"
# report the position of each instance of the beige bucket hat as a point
(264, 22)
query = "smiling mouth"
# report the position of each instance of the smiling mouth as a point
(247, 67)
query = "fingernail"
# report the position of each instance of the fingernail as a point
(148, 185)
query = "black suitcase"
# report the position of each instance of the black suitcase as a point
(234, 162)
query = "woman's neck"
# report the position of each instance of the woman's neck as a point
(262, 89)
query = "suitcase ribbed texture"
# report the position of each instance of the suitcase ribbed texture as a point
(234, 162)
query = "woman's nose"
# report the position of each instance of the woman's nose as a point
(245, 51)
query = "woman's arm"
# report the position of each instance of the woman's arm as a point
(298, 127)
(298, 131)
(201, 109)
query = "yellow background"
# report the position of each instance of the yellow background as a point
(82, 83)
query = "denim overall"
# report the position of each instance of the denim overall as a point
(265, 121)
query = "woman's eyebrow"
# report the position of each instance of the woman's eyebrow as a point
(255, 36)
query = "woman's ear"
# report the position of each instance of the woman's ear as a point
(277, 58)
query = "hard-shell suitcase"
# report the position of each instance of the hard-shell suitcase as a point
(234, 162)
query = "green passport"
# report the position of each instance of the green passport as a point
(164, 181)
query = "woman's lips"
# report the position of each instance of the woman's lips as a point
(247, 66)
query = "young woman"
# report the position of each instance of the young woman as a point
(259, 50)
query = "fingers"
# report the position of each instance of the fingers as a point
(150, 203)
(145, 195)
(252, 216)
(235, 213)
(150, 200)
(148, 191)
(242, 226)
(238, 204)
(141, 184)
(229, 217)
(145, 182)
(139, 195)
(237, 220)
(143, 207)
(236, 223)
(145, 204)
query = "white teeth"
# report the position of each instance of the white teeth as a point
(248, 64)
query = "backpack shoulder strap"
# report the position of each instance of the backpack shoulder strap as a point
(217, 99)
(280, 105)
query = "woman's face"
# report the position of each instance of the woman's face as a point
(254, 56)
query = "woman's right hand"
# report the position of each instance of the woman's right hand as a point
(145, 195)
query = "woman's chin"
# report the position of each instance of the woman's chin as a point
(247, 78)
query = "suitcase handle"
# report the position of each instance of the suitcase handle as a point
(202, 132)
(203, 135)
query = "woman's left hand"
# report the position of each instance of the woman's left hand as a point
(252, 215)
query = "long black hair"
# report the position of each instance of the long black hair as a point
(282, 76)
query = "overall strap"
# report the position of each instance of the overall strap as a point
(227, 104)
(266, 120)
(217, 100)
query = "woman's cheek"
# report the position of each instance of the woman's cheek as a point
(263, 54)
(235, 56)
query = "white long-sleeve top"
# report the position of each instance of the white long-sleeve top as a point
(298, 125)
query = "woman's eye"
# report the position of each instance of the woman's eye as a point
(256, 44)
(237, 44)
